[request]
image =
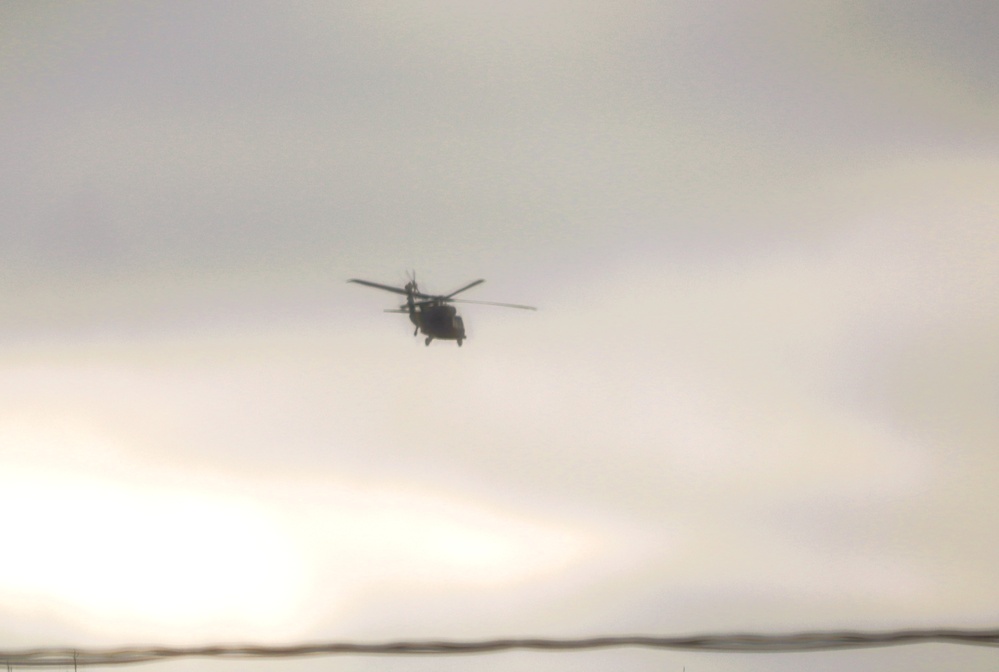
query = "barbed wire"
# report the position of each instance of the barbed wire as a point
(735, 642)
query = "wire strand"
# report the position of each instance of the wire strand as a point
(735, 642)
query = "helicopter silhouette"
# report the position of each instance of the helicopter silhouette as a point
(433, 314)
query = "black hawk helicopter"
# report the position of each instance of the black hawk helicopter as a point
(433, 314)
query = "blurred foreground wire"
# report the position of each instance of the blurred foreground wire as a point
(805, 641)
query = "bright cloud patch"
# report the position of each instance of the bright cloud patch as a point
(134, 555)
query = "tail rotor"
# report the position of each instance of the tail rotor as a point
(411, 289)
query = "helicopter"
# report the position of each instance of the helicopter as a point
(433, 314)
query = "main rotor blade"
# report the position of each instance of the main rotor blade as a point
(368, 283)
(493, 303)
(468, 286)
(395, 290)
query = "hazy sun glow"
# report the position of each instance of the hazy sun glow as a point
(130, 548)
(139, 554)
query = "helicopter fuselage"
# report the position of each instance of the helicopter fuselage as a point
(438, 320)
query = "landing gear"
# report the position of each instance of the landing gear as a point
(459, 342)
(428, 339)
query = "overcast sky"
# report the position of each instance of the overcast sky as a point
(760, 392)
